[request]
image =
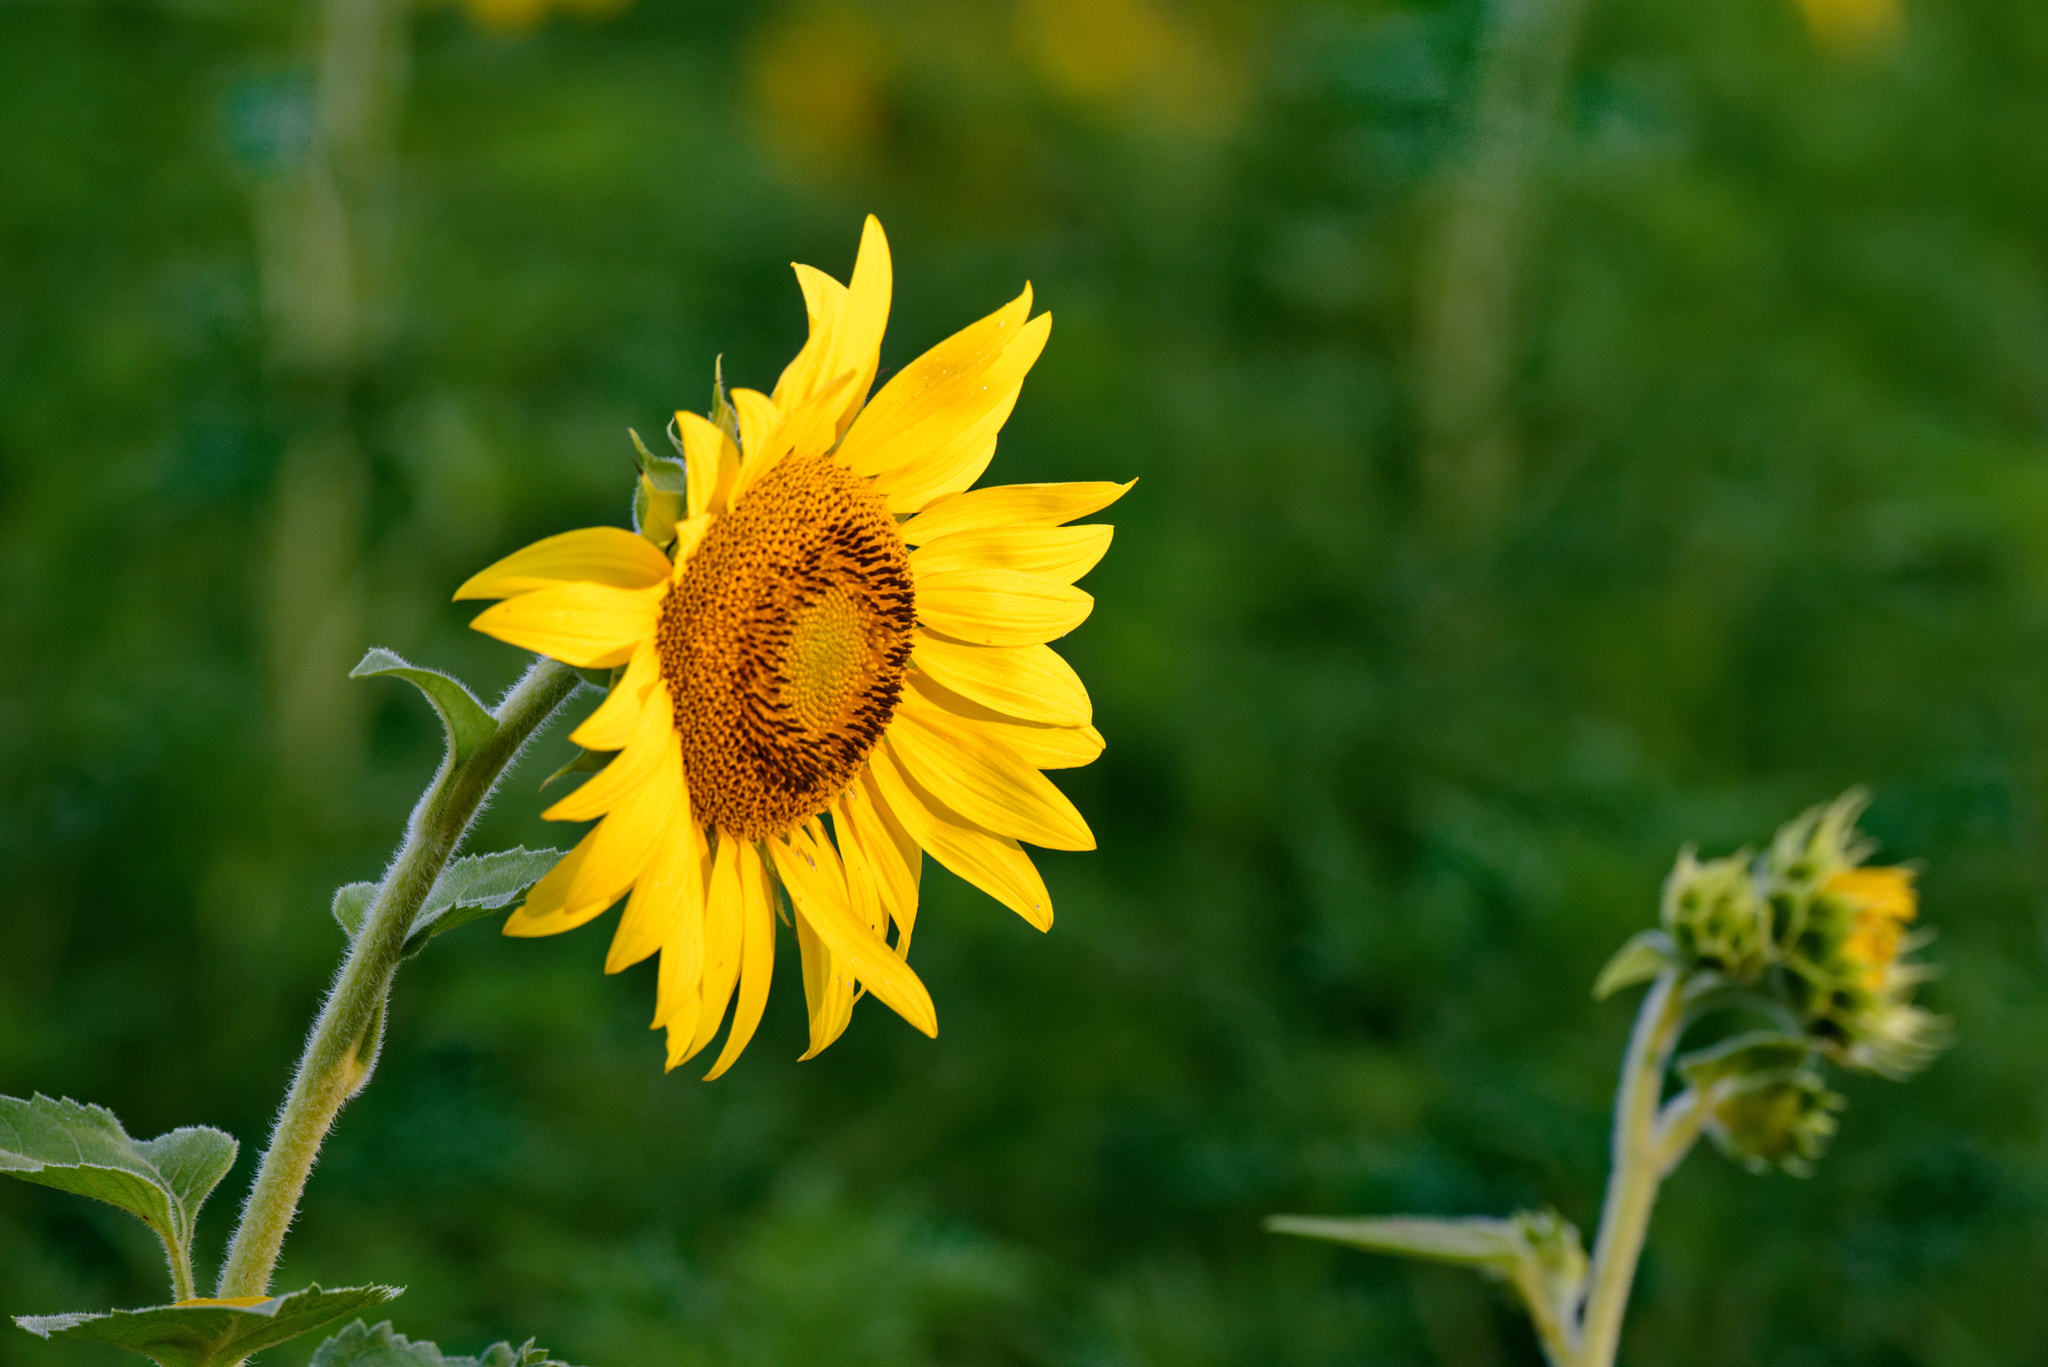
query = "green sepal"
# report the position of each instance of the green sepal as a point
(723, 416)
(192, 1335)
(84, 1150)
(473, 887)
(361, 1346)
(665, 473)
(468, 889)
(1647, 953)
(586, 762)
(1757, 1054)
(469, 722)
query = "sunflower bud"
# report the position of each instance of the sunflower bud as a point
(1784, 1121)
(1715, 917)
(1840, 927)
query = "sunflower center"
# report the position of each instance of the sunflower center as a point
(784, 645)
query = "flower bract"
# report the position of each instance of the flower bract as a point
(834, 662)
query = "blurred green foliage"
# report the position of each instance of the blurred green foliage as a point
(1405, 723)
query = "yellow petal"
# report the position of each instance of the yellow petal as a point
(591, 626)
(1000, 607)
(1041, 747)
(830, 989)
(1063, 554)
(679, 994)
(995, 864)
(950, 450)
(1011, 505)
(846, 330)
(710, 463)
(757, 957)
(868, 957)
(541, 912)
(652, 745)
(596, 555)
(724, 922)
(889, 857)
(983, 780)
(624, 843)
(941, 414)
(669, 889)
(1031, 682)
(611, 725)
(759, 419)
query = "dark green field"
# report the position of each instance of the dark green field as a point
(1565, 430)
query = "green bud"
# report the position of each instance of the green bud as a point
(1715, 917)
(1781, 1120)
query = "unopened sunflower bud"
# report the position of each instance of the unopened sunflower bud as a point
(1715, 917)
(1782, 1120)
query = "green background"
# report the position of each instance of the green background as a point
(1548, 455)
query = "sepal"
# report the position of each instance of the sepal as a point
(361, 1346)
(211, 1333)
(468, 722)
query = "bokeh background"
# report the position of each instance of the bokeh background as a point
(1565, 429)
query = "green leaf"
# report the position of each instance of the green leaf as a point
(352, 907)
(1476, 1241)
(360, 1346)
(84, 1150)
(194, 1334)
(468, 722)
(475, 886)
(1646, 954)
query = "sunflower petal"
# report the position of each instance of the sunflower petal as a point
(710, 463)
(1062, 554)
(757, 958)
(724, 917)
(652, 744)
(591, 626)
(982, 779)
(624, 843)
(868, 957)
(892, 858)
(994, 863)
(1000, 607)
(830, 989)
(541, 912)
(679, 992)
(759, 418)
(847, 323)
(670, 889)
(1031, 682)
(596, 555)
(1041, 747)
(1011, 505)
(611, 725)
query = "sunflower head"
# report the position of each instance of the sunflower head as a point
(831, 658)
(1715, 916)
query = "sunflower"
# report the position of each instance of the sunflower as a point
(838, 664)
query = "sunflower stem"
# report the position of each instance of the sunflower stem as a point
(342, 1049)
(1643, 1155)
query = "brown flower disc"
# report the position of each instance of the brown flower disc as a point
(784, 645)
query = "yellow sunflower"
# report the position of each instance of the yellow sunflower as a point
(840, 662)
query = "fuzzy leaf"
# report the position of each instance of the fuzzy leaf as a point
(361, 1346)
(475, 886)
(193, 1334)
(1647, 953)
(84, 1150)
(468, 722)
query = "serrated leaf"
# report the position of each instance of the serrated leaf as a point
(361, 1346)
(469, 724)
(474, 886)
(199, 1334)
(352, 907)
(1647, 953)
(84, 1150)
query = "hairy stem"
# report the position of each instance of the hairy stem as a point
(1642, 1157)
(342, 1048)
